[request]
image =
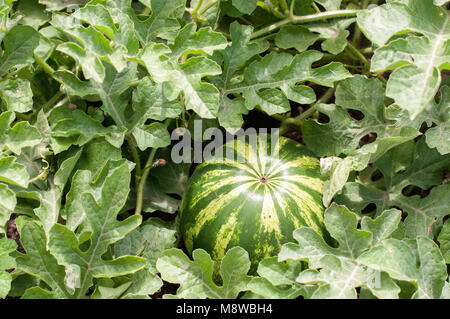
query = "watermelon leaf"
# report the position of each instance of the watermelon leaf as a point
(150, 240)
(337, 271)
(398, 259)
(162, 63)
(425, 215)
(416, 60)
(7, 206)
(7, 246)
(196, 277)
(83, 266)
(444, 240)
(37, 257)
(19, 136)
(277, 280)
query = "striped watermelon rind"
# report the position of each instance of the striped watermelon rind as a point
(256, 202)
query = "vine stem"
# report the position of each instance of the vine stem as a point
(315, 7)
(134, 83)
(366, 50)
(381, 78)
(291, 9)
(135, 154)
(354, 51)
(357, 35)
(23, 117)
(49, 107)
(284, 6)
(47, 68)
(143, 179)
(298, 120)
(146, 11)
(50, 103)
(360, 56)
(207, 7)
(303, 19)
(197, 7)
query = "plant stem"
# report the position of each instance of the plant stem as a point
(381, 78)
(144, 176)
(243, 19)
(291, 9)
(135, 154)
(277, 13)
(197, 7)
(365, 4)
(63, 101)
(284, 7)
(354, 51)
(315, 7)
(227, 35)
(146, 11)
(366, 50)
(304, 19)
(357, 35)
(299, 119)
(134, 83)
(47, 68)
(328, 94)
(141, 185)
(357, 53)
(56, 104)
(52, 101)
(207, 7)
(23, 117)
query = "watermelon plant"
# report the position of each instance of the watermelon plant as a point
(115, 116)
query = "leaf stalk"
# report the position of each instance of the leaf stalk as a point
(44, 65)
(296, 121)
(304, 19)
(143, 179)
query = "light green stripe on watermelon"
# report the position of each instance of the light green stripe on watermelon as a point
(256, 204)
(216, 185)
(281, 166)
(288, 212)
(224, 235)
(233, 164)
(269, 217)
(209, 212)
(305, 181)
(308, 209)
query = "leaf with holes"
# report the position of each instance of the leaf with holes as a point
(398, 259)
(424, 169)
(336, 272)
(196, 277)
(83, 266)
(417, 60)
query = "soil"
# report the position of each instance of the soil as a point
(167, 288)
(13, 233)
(294, 135)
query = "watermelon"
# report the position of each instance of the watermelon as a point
(255, 201)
